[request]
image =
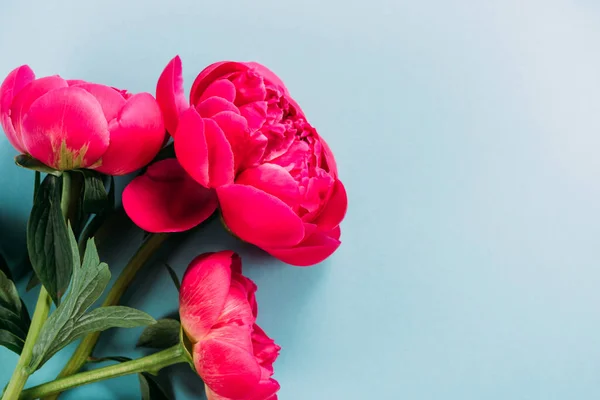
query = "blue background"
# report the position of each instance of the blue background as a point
(467, 135)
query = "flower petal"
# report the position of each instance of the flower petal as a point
(203, 150)
(12, 85)
(258, 217)
(110, 100)
(272, 179)
(265, 349)
(204, 291)
(170, 94)
(255, 113)
(228, 370)
(219, 88)
(269, 75)
(66, 129)
(136, 136)
(167, 199)
(214, 105)
(30, 93)
(312, 250)
(211, 73)
(335, 209)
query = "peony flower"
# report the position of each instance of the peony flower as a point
(242, 134)
(70, 124)
(232, 355)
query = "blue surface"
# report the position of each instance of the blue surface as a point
(467, 135)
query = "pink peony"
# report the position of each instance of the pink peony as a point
(69, 124)
(243, 135)
(232, 355)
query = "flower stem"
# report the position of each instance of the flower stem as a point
(152, 364)
(42, 307)
(85, 348)
(20, 374)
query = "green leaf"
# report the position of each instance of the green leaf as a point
(33, 282)
(14, 318)
(92, 227)
(26, 161)
(11, 341)
(161, 335)
(174, 277)
(95, 197)
(48, 239)
(150, 388)
(104, 318)
(70, 320)
(4, 266)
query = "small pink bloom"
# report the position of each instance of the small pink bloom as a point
(70, 124)
(231, 353)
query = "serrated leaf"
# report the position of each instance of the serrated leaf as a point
(161, 335)
(14, 318)
(48, 239)
(150, 388)
(26, 161)
(174, 277)
(95, 197)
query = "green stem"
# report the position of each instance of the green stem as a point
(85, 348)
(20, 374)
(152, 364)
(42, 308)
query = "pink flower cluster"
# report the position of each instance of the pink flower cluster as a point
(242, 145)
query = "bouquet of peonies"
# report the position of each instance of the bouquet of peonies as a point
(240, 146)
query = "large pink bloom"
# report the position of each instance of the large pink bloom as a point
(242, 134)
(77, 124)
(218, 312)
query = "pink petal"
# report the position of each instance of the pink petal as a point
(312, 250)
(249, 287)
(235, 128)
(167, 199)
(258, 217)
(66, 129)
(265, 349)
(214, 105)
(12, 85)
(76, 82)
(272, 179)
(204, 291)
(335, 209)
(110, 100)
(203, 150)
(170, 94)
(255, 113)
(228, 370)
(136, 136)
(30, 93)
(210, 74)
(219, 88)
(269, 75)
